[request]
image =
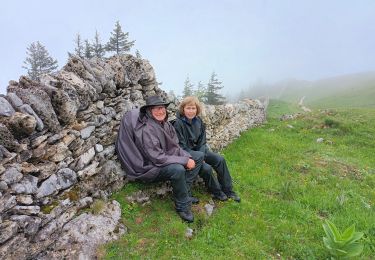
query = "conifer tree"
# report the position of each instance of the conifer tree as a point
(212, 94)
(97, 48)
(38, 61)
(79, 49)
(200, 92)
(188, 88)
(119, 42)
(88, 50)
(138, 54)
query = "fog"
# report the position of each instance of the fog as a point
(244, 42)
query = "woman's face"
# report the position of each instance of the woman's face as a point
(190, 111)
(159, 112)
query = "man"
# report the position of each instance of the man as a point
(148, 149)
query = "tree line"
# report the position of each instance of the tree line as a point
(206, 93)
(39, 61)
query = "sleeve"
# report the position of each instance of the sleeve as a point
(182, 140)
(153, 150)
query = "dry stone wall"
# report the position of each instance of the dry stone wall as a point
(57, 153)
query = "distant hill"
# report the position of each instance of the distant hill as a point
(354, 90)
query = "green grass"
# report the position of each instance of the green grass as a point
(289, 184)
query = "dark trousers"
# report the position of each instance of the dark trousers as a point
(207, 175)
(220, 166)
(181, 180)
(176, 174)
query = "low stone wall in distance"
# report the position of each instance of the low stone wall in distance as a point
(57, 156)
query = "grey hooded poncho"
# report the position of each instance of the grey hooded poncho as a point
(144, 146)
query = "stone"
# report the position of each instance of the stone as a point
(39, 101)
(46, 169)
(86, 132)
(26, 109)
(7, 139)
(63, 179)
(68, 139)
(28, 185)
(58, 152)
(3, 186)
(7, 202)
(28, 224)
(21, 125)
(38, 141)
(66, 103)
(48, 187)
(29, 168)
(57, 137)
(26, 210)
(6, 109)
(189, 233)
(100, 104)
(87, 231)
(14, 100)
(66, 178)
(209, 209)
(7, 230)
(24, 199)
(85, 158)
(90, 170)
(99, 148)
(15, 248)
(11, 175)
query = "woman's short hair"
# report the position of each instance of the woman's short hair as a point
(191, 100)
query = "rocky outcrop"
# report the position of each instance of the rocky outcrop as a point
(58, 156)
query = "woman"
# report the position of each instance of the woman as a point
(191, 133)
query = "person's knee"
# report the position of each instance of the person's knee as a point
(179, 172)
(206, 169)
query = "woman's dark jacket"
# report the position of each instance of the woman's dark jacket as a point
(144, 146)
(191, 135)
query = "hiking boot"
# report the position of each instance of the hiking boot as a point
(186, 215)
(220, 196)
(232, 195)
(194, 200)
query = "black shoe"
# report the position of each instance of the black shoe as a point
(232, 195)
(186, 215)
(220, 196)
(194, 200)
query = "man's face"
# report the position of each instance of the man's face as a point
(159, 112)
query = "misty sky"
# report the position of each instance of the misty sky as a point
(243, 41)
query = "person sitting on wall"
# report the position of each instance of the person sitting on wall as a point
(191, 133)
(147, 147)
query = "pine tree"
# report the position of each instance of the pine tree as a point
(118, 42)
(38, 61)
(200, 92)
(78, 50)
(138, 54)
(97, 47)
(213, 87)
(188, 88)
(88, 50)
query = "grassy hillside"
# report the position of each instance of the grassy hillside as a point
(356, 90)
(289, 185)
(346, 91)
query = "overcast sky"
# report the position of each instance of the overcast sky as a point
(243, 41)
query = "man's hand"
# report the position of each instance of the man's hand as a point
(190, 164)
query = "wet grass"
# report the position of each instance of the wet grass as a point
(289, 184)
